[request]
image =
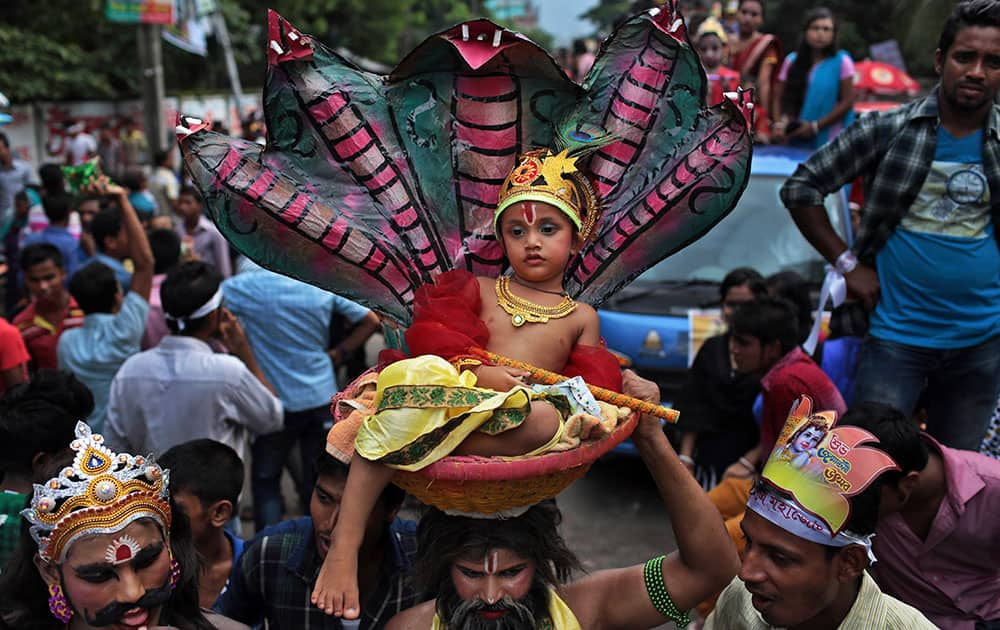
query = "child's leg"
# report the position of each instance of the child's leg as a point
(536, 430)
(336, 590)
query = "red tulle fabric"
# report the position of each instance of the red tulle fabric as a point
(446, 323)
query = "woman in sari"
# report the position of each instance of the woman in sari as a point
(755, 56)
(814, 96)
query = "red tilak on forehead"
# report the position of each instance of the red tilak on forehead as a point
(121, 550)
(528, 212)
(490, 562)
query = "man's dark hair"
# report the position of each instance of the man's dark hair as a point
(57, 207)
(133, 178)
(442, 539)
(793, 288)
(329, 466)
(768, 319)
(40, 416)
(743, 276)
(210, 470)
(52, 178)
(968, 13)
(166, 246)
(160, 156)
(897, 435)
(186, 289)
(192, 192)
(4, 140)
(94, 287)
(38, 253)
(864, 509)
(106, 223)
(84, 198)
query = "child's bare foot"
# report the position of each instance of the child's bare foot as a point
(336, 590)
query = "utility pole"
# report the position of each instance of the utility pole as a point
(153, 92)
(222, 33)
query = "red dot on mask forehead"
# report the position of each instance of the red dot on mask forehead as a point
(124, 552)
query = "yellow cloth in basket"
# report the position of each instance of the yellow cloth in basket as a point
(425, 408)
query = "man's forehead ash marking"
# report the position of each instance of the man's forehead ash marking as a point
(491, 562)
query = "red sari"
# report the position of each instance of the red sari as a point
(762, 49)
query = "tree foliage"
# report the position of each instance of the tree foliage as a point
(66, 49)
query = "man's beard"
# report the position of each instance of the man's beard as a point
(521, 614)
(965, 106)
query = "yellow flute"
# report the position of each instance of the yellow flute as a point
(606, 395)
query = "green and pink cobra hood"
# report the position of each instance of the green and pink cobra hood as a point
(371, 185)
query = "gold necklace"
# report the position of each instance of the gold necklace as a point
(522, 311)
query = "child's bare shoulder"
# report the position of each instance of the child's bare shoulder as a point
(486, 282)
(586, 310)
(487, 287)
(590, 324)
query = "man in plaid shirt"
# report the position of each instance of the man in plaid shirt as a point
(274, 578)
(926, 262)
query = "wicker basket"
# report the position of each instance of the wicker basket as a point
(490, 485)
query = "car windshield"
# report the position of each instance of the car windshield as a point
(759, 233)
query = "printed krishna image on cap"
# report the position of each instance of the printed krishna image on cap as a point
(800, 444)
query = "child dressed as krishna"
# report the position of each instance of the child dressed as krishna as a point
(406, 193)
(444, 401)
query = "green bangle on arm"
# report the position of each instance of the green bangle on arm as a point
(652, 573)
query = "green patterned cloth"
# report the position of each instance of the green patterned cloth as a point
(11, 504)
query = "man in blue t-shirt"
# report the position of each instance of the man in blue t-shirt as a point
(288, 324)
(926, 261)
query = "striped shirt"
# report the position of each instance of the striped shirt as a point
(871, 609)
(42, 336)
(274, 579)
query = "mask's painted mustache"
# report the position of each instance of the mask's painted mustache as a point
(113, 613)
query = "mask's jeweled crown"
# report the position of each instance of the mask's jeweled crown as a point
(102, 492)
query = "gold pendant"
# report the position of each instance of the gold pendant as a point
(522, 311)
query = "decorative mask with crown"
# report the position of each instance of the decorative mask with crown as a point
(555, 180)
(102, 492)
(816, 467)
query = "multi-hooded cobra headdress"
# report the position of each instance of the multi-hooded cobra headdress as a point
(370, 186)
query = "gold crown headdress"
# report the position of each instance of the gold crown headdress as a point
(100, 493)
(817, 467)
(712, 26)
(555, 180)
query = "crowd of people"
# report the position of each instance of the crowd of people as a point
(802, 99)
(147, 372)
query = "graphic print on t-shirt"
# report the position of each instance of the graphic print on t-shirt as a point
(954, 201)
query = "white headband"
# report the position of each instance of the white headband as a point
(213, 303)
(787, 515)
